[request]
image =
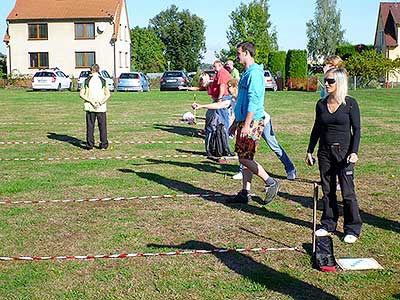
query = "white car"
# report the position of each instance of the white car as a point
(270, 83)
(51, 79)
(103, 73)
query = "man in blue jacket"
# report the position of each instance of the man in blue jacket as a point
(249, 124)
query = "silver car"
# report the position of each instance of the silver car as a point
(133, 82)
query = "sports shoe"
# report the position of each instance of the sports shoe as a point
(322, 232)
(350, 239)
(271, 191)
(238, 176)
(291, 175)
(243, 197)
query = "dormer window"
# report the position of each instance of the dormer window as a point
(37, 31)
(84, 31)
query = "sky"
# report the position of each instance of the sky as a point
(288, 17)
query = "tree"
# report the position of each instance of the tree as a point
(369, 65)
(324, 32)
(147, 51)
(183, 36)
(251, 23)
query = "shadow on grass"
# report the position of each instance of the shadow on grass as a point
(67, 138)
(181, 130)
(367, 218)
(206, 166)
(188, 188)
(258, 273)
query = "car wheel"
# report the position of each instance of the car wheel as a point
(70, 87)
(275, 88)
(59, 87)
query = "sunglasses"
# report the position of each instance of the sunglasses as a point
(330, 81)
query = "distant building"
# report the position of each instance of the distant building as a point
(68, 34)
(387, 33)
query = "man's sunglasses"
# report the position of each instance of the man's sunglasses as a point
(330, 80)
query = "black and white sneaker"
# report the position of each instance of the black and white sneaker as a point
(242, 197)
(271, 191)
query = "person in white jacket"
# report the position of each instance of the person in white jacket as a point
(95, 95)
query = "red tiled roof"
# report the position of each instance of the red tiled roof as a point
(390, 11)
(64, 9)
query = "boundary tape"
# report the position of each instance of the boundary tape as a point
(121, 157)
(131, 255)
(110, 123)
(108, 199)
(111, 142)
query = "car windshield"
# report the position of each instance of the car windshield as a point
(129, 76)
(43, 74)
(105, 74)
(84, 74)
(173, 74)
(267, 74)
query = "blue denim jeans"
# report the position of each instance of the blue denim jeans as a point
(269, 137)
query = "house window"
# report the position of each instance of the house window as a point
(120, 59)
(84, 59)
(84, 31)
(120, 32)
(125, 32)
(38, 60)
(37, 31)
(126, 60)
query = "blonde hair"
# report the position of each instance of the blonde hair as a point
(234, 83)
(335, 61)
(204, 80)
(340, 76)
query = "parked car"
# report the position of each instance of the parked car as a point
(171, 80)
(103, 73)
(270, 83)
(51, 79)
(133, 81)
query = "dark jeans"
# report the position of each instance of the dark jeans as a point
(102, 123)
(332, 163)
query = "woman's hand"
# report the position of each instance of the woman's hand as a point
(309, 159)
(352, 158)
(196, 105)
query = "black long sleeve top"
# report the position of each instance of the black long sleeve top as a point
(343, 126)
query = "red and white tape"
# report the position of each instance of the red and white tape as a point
(111, 142)
(111, 123)
(131, 255)
(122, 157)
(108, 199)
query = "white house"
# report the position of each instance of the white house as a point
(68, 34)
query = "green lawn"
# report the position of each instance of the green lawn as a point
(52, 125)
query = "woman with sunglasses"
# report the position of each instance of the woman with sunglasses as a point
(337, 127)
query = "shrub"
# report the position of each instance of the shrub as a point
(277, 62)
(296, 64)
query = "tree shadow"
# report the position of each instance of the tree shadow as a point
(258, 273)
(181, 130)
(376, 221)
(188, 188)
(191, 152)
(67, 138)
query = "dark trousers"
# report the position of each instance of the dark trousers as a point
(102, 123)
(332, 162)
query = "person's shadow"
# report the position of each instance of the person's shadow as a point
(180, 130)
(207, 195)
(258, 273)
(67, 139)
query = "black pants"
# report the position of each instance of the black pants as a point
(333, 162)
(102, 123)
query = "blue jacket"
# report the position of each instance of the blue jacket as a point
(251, 93)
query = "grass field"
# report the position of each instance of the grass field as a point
(52, 126)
